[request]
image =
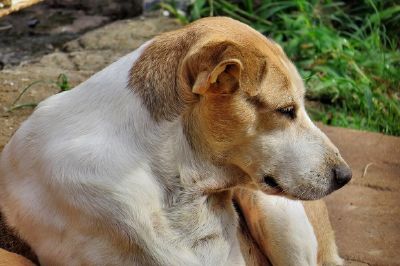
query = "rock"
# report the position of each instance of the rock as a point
(118, 8)
(124, 35)
(81, 23)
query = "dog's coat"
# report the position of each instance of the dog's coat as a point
(138, 165)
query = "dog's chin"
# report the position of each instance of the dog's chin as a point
(293, 196)
(271, 187)
(303, 197)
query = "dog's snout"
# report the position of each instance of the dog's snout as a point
(342, 175)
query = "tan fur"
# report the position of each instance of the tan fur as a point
(252, 253)
(173, 60)
(171, 71)
(12, 259)
(253, 217)
(318, 215)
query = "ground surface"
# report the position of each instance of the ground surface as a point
(43, 28)
(365, 214)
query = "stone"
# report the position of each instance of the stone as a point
(119, 8)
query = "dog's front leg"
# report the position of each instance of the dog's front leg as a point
(279, 226)
(318, 215)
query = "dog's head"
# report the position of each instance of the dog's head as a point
(241, 101)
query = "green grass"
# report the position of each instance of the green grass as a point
(61, 83)
(348, 54)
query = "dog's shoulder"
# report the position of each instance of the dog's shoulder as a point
(88, 129)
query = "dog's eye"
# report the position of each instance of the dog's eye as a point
(288, 111)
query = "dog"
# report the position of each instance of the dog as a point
(191, 150)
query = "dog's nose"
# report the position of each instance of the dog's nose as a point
(342, 175)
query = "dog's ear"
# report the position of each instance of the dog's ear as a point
(224, 78)
(222, 67)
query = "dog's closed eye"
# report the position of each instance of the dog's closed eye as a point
(288, 111)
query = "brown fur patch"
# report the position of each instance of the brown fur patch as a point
(155, 77)
(164, 76)
(165, 73)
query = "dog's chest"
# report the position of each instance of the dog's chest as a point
(207, 225)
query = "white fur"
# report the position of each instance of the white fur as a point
(300, 159)
(77, 181)
(289, 230)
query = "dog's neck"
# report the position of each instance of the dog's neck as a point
(160, 146)
(165, 125)
(174, 162)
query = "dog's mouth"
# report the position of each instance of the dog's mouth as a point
(270, 181)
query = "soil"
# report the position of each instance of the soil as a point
(41, 29)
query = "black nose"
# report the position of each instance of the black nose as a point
(342, 175)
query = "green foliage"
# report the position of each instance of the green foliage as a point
(62, 83)
(347, 53)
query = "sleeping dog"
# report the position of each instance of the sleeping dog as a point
(190, 150)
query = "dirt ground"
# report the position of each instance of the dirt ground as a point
(364, 214)
(42, 29)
